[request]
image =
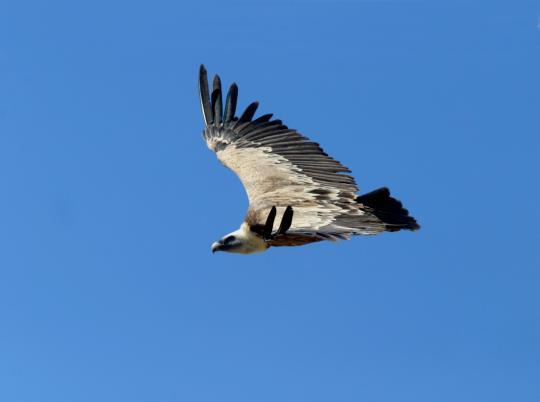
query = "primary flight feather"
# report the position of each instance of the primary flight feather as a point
(288, 179)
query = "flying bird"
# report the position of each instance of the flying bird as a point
(297, 193)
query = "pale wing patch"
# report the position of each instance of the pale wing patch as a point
(272, 180)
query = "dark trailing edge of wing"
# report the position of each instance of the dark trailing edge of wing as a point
(388, 209)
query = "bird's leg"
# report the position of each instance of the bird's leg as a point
(285, 224)
(286, 221)
(269, 225)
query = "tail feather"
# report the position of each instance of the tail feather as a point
(389, 210)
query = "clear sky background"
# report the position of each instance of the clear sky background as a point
(110, 201)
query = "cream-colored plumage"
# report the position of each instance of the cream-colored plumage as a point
(281, 168)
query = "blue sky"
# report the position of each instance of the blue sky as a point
(111, 200)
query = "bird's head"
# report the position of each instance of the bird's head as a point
(229, 243)
(242, 241)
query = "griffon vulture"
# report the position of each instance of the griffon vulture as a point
(289, 180)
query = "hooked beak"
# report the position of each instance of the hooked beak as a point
(216, 246)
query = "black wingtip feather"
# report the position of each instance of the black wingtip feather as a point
(217, 106)
(204, 95)
(389, 210)
(263, 119)
(230, 103)
(249, 112)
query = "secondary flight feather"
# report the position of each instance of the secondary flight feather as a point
(297, 193)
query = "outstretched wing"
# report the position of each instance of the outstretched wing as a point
(280, 167)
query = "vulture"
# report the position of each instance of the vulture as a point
(297, 193)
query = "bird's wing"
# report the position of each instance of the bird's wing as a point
(280, 167)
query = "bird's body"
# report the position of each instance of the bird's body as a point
(289, 179)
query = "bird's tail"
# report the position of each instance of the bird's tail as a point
(388, 209)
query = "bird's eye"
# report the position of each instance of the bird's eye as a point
(229, 239)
